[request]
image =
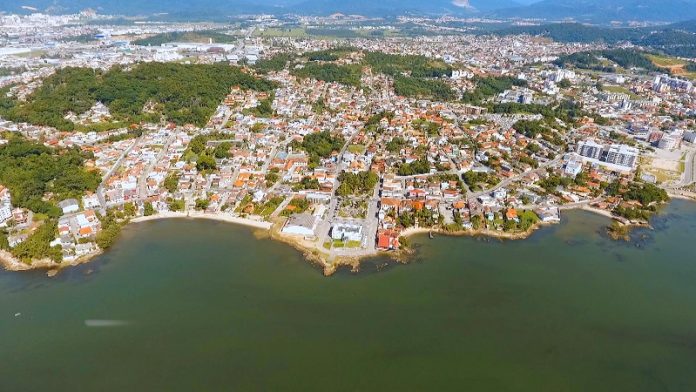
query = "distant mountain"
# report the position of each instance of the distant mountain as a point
(677, 39)
(400, 7)
(147, 7)
(602, 11)
(230, 7)
(605, 10)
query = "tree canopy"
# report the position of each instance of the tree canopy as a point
(183, 94)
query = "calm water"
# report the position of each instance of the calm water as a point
(205, 306)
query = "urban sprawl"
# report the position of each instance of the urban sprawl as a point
(340, 146)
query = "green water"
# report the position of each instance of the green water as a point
(205, 306)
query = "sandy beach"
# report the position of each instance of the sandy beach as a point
(202, 215)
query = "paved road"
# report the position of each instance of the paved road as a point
(105, 178)
(142, 181)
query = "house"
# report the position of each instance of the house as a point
(301, 224)
(573, 168)
(388, 240)
(549, 215)
(91, 201)
(511, 215)
(69, 206)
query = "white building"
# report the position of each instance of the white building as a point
(347, 232)
(69, 206)
(301, 224)
(622, 155)
(667, 142)
(590, 149)
(5, 205)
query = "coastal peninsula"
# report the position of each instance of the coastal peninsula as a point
(342, 150)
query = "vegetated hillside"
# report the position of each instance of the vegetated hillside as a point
(187, 36)
(608, 60)
(180, 93)
(605, 10)
(210, 8)
(677, 39)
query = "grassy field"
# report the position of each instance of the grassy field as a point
(356, 148)
(664, 61)
(675, 65)
(297, 32)
(620, 90)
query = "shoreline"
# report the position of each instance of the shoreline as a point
(311, 253)
(202, 215)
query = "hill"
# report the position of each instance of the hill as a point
(605, 10)
(678, 39)
(230, 7)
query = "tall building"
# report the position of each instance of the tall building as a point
(590, 149)
(622, 155)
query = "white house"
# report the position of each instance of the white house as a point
(69, 206)
(347, 232)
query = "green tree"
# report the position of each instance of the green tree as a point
(148, 210)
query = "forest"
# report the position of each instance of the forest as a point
(319, 145)
(31, 170)
(273, 64)
(626, 58)
(489, 87)
(676, 39)
(183, 94)
(362, 183)
(202, 36)
(328, 72)
(414, 66)
(423, 88)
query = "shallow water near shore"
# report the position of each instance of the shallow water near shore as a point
(181, 305)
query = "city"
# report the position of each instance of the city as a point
(351, 145)
(324, 195)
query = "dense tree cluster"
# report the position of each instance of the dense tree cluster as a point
(677, 39)
(31, 170)
(474, 180)
(597, 60)
(306, 183)
(410, 65)
(411, 87)
(186, 36)
(646, 194)
(357, 184)
(420, 166)
(112, 223)
(181, 93)
(297, 205)
(490, 87)
(320, 145)
(567, 111)
(372, 123)
(263, 110)
(329, 72)
(276, 63)
(396, 144)
(553, 181)
(530, 128)
(414, 76)
(328, 54)
(38, 246)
